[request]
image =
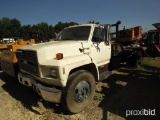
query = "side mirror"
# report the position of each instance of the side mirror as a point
(107, 35)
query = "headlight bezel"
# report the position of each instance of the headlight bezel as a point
(46, 72)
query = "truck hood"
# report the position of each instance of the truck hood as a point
(47, 51)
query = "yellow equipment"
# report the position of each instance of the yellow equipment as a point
(3, 47)
(8, 58)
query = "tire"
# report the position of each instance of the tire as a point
(135, 60)
(79, 91)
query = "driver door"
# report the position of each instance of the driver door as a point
(100, 52)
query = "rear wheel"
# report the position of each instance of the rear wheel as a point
(135, 60)
(79, 91)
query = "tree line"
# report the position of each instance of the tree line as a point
(12, 28)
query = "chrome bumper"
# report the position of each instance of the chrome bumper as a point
(47, 93)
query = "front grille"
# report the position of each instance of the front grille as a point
(27, 55)
(28, 62)
(29, 68)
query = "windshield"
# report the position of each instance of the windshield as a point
(74, 33)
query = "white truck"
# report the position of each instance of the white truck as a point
(66, 70)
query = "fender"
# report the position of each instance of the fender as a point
(67, 64)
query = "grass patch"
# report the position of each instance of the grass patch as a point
(99, 96)
(149, 61)
(150, 64)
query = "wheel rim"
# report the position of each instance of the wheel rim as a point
(82, 91)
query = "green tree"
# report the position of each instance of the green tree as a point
(60, 26)
(15, 27)
(51, 32)
(44, 31)
(41, 31)
(25, 31)
(9, 27)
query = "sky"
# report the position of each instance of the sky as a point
(131, 13)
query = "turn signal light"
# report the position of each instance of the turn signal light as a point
(59, 56)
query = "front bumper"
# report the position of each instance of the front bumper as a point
(47, 93)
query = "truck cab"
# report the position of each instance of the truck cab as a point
(66, 70)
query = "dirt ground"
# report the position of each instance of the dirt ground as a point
(125, 90)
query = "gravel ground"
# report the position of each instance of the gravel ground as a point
(124, 90)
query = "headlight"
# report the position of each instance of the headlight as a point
(54, 73)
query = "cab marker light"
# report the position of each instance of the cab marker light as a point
(59, 56)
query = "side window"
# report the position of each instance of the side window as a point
(98, 35)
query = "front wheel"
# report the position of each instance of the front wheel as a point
(79, 91)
